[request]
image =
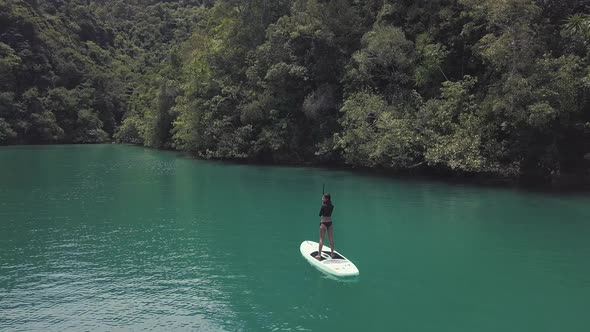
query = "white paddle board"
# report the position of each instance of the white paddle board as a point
(338, 266)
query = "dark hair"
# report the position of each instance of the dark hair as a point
(328, 198)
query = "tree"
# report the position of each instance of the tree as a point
(385, 62)
(375, 134)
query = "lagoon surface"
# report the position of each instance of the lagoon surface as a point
(111, 237)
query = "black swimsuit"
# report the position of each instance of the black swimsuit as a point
(326, 211)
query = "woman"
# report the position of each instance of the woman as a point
(326, 224)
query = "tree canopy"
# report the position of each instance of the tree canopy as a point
(460, 86)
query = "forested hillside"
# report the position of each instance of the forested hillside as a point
(456, 86)
(68, 68)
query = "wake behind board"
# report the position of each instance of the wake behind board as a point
(338, 266)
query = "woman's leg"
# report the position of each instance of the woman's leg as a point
(322, 233)
(331, 237)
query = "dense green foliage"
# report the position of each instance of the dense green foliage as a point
(68, 68)
(468, 86)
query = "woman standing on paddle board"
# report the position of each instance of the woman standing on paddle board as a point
(326, 223)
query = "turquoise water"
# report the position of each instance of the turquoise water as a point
(111, 237)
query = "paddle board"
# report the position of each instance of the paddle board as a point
(338, 266)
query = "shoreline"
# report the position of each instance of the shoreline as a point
(446, 177)
(571, 185)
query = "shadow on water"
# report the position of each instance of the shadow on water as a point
(486, 181)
